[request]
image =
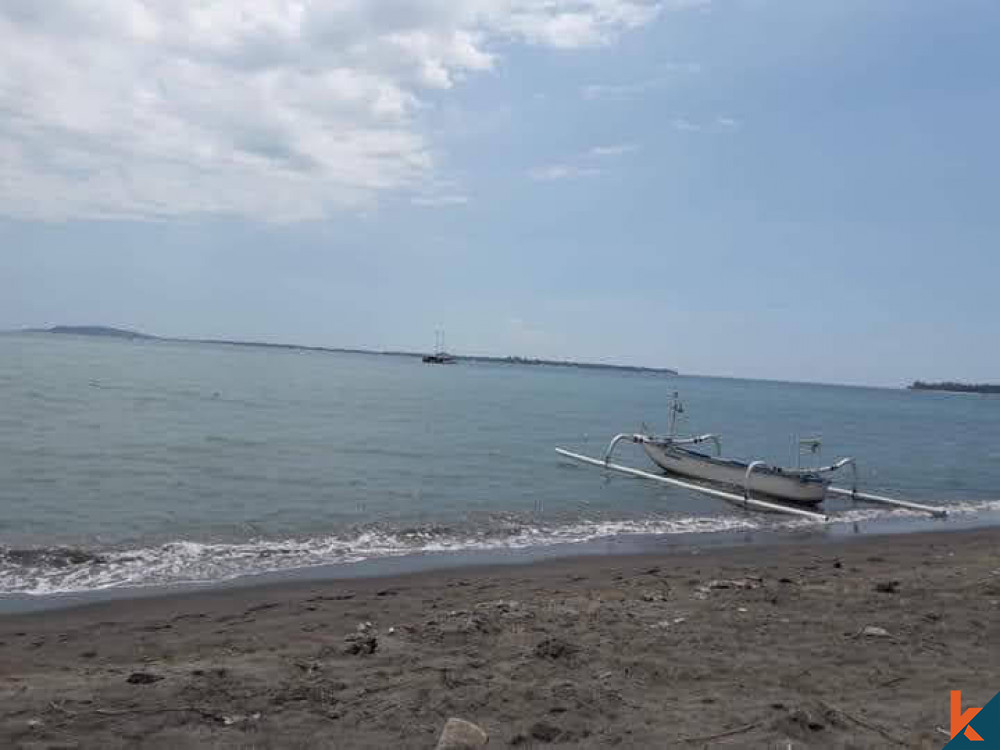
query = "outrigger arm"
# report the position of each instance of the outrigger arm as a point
(640, 439)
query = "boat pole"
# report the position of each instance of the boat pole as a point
(746, 502)
(855, 495)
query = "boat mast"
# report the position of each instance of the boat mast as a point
(675, 409)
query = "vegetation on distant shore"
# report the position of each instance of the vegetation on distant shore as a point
(122, 333)
(949, 385)
(117, 333)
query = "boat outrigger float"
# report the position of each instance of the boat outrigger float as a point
(785, 490)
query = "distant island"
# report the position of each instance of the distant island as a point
(122, 333)
(948, 385)
(119, 333)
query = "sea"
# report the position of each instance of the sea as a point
(141, 465)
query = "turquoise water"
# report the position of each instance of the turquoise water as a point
(144, 462)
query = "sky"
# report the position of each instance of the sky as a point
(755, 188)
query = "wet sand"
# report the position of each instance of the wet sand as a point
(854, 644)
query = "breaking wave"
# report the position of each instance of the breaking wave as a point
(42, 571)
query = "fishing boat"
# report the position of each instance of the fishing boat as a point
(678, 455)
(796, 491)
(440, 355)
(804, 486)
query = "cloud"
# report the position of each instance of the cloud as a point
(273, 109)
(685, 126)
(627, 90)
(718, 125)
(595, 91)
(617, 149)
(553, 172)
(438, 201)
(578, 167)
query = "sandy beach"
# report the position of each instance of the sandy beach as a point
(854, 644)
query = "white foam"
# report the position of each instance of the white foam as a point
(184, 562)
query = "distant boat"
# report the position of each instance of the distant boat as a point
(440, 355)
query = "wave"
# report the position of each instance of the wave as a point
(60, 570)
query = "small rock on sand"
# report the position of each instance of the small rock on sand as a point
(545, 732)
(459, 734)
(875, 632)
(554, 648)
(143, 678)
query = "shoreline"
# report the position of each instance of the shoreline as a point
(422, 561)
(744, 645)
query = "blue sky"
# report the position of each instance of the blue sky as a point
(760, 188)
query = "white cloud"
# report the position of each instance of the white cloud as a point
(686, 126)
(617, 149)
(437, 201)
(595, 91)
(667, 73)
(718, 125)
(275, 109)
(553, 172)
(578, 166)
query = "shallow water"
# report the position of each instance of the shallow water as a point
(144, 462)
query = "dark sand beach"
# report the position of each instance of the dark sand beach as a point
(751, 646)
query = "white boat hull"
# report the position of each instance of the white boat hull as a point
(808, 489)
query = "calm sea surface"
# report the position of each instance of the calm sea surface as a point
(143, 462)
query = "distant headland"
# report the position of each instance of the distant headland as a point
(122, 333)
(119, 333)
(954, 387)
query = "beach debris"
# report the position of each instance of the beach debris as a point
(801, 722)
(240, 719)
(35, 723)
(653, 596)
(143, 678)
(720, 735)
(363, 646)
(555, 648)
(873, 631)
(459, 734)
(544, 732)
(363, 642)
(887, 587)
(501, 605)
(749, 582)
